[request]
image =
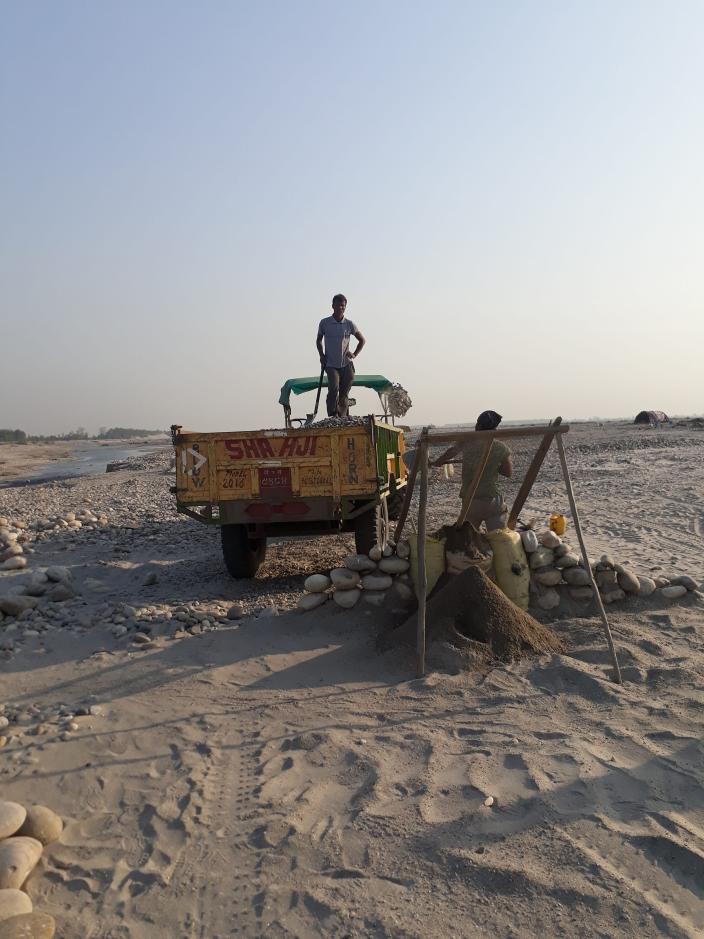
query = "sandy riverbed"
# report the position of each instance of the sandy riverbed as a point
(18, 460)
(274, 776)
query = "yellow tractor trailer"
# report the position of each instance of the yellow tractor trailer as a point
(339, 475)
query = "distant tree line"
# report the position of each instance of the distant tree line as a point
(112, 433)
(117, 433)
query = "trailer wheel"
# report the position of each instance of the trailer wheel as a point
(242, 554)
(371, 528)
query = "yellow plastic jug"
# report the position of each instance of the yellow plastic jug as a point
(434, 561)
(558, 523)
(510, 565)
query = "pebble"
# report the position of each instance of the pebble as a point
(151, 579)
(140, 638)
(43, 824)
(547, 576)
(317, 583)
(566, 560)
(628, 581)
(347, 598)
(376, 553)
(270, 610)
(18, 857)
(662, 582)
(13, 902)
(376, 582)
(344, 579)
(529, 539)
(359, 562)
(403, 549)
(12, 816)
(674, 592)
(310, 601)
(60, 592)
(236, 611)
(28, 926)
(549, 539)
(646, 586)
(684, 580)
(577, 577)
(549, 599)
(489, 801)
(542, 557)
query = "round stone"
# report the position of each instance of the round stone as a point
(28, 926)
(581, 593)
(43, 824)
(685, 580)
(549, 599)
(674, 592)
(393, 565)
(12, 816)
(317, 583)
(403, 549)
(566, 560)
(542, 557)
(376, 553)
(344, 579)
(18, 857)
(549, 539)
(14, 564)
(646, 586)
(310, 601)
(347, 598)
(628, 582)
(359, 562)
(529, 540)
(13, 903)
(577, 577)
(236, 611)
(376, 582)
(547, 576)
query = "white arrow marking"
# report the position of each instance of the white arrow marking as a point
(198, 458)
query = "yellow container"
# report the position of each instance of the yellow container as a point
(558, 523)
(434, 560)
(510, 565)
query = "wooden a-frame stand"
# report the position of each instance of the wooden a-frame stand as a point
(428, 438)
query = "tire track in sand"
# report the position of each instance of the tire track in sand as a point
(227, 876)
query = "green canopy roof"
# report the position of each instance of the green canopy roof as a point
(298, 385)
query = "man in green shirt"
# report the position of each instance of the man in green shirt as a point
(488, 503)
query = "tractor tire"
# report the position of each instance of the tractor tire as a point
(242, 555)
(370, 528)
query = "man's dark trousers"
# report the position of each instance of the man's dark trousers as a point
(339, 384)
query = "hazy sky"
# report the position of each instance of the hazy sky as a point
(510, 194)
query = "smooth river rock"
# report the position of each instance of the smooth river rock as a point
(18, 857)
(376, 582)
(646, 586)
(674, 592)
(43, 824)
(12, 816)
(628, 582)
(317, 583)
(394, 565)
(359, 562)
(684, 580)
(347, 598)
(28, 926)
(310, 601)
(548, 577)
(577, 577)
(14, 903)
(344, 579)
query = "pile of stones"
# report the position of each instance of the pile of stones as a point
(557, 570)
(13, 535)
(24, 833)
(365, 576)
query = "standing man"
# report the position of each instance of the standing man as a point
(337, 358)
(488, 505)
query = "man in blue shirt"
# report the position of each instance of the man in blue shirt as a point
(336, 331)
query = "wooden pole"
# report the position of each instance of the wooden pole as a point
(457, 436)
(422, 575)
(585, 559)
(410, 484)
(532, 474)
(473, 486)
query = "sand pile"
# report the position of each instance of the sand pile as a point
(470, 611)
